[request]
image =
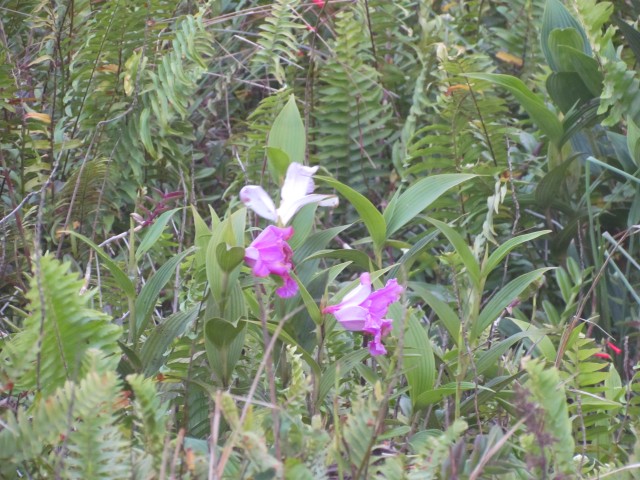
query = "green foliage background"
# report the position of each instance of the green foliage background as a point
(486, 154)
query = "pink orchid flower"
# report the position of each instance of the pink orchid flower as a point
(364, 310)
(270, 254)
(297, 191)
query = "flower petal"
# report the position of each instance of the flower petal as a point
(297, 183)
(379, 301)
(254, 197)
(288, 209)
(376, 347)
(352, 318)
(289, 288)
(355, 296)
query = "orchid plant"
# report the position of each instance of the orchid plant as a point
(269, 253)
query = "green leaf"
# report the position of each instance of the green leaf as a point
(223, 343)
(419, 196)
(546, 120)
(633, 140)
(153, 351)
(444, 312)
(556, 16)
(503, 250)
(278, 163)
(229, 257)
(411, 255)
(418, 359)
(309, 302)
(357, 257)
(202, 237)
(149, 294)
(303, 225)
(567, 90)
(631, 35)
(503, 298)
(437, 394)
(288, 339)
(154, 232)
(372, 218)
(537, 336)
(287, 132)
(461, 248)
(344, 365)
(564, 37)
(121, 278)
(587, 67)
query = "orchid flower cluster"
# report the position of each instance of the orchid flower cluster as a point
(270, 254)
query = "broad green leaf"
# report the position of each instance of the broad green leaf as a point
(202, 237)
(287, 132)
(419, 196)
(490, 390)
(229, 257)
(121, 278)
(547, 190)
(418, 359)
(567, 90)
(556, 16)
(309, 302)
(587, 67)
(564, 37)
(372, 218)
(503, 250)
(303, 225)
(539, 337)
(411, 255)
(153, 351)
(437, 394)
(278, 163)
(503, 298)
(357, 257)
(633, 140)
(534, 105)
(461, 248)
(154, 232)
(444, 312)
(631, 35)
(345, 364)
(149, 294)
(223, 343)
(288, 339)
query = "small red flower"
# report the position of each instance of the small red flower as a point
(613, 347)
(319, 3)
(602, 355)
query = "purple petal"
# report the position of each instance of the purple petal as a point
(352, 318)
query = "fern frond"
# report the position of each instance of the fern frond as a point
(352, 115)
(277, 40)
(58, 332)
(73, 429)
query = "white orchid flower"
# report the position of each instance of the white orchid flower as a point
(296, 192)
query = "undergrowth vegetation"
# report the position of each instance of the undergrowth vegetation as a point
(339, 239)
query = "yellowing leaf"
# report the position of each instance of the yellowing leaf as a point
(510, 58)
(108, 68)
(41, 117)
